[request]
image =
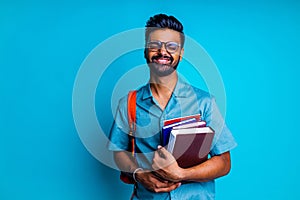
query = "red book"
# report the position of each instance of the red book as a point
(175, 120)
(190, 146)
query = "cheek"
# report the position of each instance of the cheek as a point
(149, 55)
(176, 57)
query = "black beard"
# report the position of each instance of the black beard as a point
(162, 70)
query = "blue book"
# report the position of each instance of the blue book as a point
(166, 130)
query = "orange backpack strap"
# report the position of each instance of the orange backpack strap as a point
(131, 110)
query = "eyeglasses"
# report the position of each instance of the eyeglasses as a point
(171, 47)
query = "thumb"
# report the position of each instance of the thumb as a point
(161, 148)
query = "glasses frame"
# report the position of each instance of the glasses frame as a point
(160, 44)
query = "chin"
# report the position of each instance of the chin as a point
(161, 70)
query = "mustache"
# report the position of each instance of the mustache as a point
(164, 57)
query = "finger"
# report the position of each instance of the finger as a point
(164, 153)
(158, 154)
(161, 154)
(173, 184)
(157, 176)
(168, 189)
(160, 182)
(162, 149)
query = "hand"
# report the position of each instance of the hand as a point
(153, 183)
(165, 165)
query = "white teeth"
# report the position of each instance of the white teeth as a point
(163, 61)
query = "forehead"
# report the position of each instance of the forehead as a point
(165, 35)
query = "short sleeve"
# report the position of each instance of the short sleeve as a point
(118, 137)
(223, 140)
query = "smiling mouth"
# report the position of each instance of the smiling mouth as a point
(162, 60)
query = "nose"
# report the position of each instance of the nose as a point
(163, 49)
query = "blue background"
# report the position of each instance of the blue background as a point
(42, 45)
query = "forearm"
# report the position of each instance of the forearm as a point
(125, 161)
(213, 168)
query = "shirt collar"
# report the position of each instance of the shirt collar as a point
(181, 88)
(147, 92)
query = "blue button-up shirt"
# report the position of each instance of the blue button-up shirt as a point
(185, 100)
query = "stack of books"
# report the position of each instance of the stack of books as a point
(188, 139)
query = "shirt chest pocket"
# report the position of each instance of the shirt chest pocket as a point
(146, 125)
(143, 120)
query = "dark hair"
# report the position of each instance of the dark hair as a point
(164, 21)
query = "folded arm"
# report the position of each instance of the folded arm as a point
(147, 178)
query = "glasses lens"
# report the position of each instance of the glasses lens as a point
(154, 45)
(172, 46)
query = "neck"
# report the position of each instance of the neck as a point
(163, 86)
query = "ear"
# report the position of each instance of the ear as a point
(145, 53)
(181, 54)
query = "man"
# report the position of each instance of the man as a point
(167, 96)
